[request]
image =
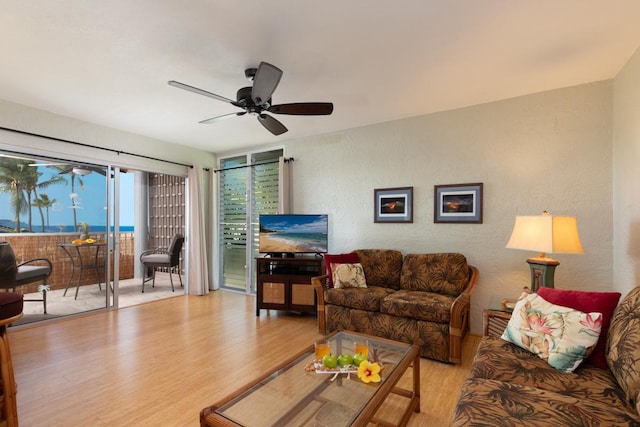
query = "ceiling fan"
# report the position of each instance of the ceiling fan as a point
(256, 100)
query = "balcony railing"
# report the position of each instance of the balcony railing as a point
(45, 245)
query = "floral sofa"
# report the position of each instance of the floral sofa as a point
(421, 299)
(509, 385)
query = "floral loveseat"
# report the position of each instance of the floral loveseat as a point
(421, 299)
(509, 385)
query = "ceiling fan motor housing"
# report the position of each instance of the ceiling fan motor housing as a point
(244, 99)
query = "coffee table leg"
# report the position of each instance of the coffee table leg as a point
(416, 382)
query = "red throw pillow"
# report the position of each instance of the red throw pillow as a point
(588, 302)
(350, 258)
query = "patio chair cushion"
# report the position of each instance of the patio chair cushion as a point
(10, 305)
(156, 259)
(29, 272)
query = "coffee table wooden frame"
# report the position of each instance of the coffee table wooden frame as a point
(209, 417)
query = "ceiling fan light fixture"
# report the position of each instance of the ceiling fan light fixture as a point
(81, 170)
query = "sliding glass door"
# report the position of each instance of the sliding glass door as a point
(57, 211)
(248, 187)
(91, 222)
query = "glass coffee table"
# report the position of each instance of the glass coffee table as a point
(294, 394)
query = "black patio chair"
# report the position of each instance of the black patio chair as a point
(168, 258)
(33, 270)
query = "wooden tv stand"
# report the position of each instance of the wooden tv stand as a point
(285, 283)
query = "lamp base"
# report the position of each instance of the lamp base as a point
(542, 271)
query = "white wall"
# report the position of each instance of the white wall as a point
(626, 176)
(548, 151)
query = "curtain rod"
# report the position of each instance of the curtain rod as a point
(286, 160)
(118, 152)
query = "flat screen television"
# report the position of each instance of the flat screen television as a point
(285, 235)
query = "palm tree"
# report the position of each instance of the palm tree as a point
(13, 175)
(42, 185)
(29, 182)
(44, 202)
(65, 169)
(31, 187)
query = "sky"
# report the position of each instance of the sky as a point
(296, 223)
(90, 201)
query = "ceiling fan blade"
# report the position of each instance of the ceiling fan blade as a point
(223, 117)
(200, 91)
(265, 82)
(271, 124)
(96, 169)
(303, 108)
(99, 170)
(65, 170)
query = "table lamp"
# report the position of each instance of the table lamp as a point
(545, 234)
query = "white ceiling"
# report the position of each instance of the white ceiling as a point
(108, 62)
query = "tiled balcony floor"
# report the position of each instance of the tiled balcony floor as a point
(91, 298)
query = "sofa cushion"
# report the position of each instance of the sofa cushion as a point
(432, 338)
(486, 402)
(601, 302)
(348, 276)
(382, 267)
(497, 359)
(337, 259)
(368, 298)
(562, 336)
(442, 273)
(623, 348)
(418, 305)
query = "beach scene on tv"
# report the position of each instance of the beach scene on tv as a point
(293, 233)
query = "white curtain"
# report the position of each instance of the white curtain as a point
(198, 233)
(284, 187)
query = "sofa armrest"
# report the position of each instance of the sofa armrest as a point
(319, 283)
(459, 321)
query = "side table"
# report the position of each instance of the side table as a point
(496, 317)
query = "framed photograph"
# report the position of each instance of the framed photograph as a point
(393, 204)
(458, 203)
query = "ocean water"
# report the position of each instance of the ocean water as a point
(37, 228)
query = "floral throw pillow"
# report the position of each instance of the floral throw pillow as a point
(562, 336)
(348, 276)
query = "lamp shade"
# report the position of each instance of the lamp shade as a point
(546, 233)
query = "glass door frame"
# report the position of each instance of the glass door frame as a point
(113, 247)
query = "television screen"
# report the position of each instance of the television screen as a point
(294, 234)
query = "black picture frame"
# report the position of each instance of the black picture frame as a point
(393, 205)
(458, 203)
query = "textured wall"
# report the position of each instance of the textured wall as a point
(548, 151)
(626, 176)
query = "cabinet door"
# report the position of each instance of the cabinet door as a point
(302, 294)
(274, 293)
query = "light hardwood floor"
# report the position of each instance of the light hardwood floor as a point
(160, 363)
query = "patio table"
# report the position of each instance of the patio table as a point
(81, 261)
